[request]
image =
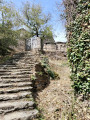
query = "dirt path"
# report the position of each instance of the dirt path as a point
(54, 101)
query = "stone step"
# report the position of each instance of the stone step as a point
(28, 57)
(20, 115)
(25, 64)
(4, 71)
(11, 106)
(6, 65)
(27, 61)
(15, 76)
(15, 70)
(15, 96)
(19, 67)
(15, 73)
(14, 90)
(16, 99)
(11, 80)
(9, 68)
(18, 56)
(20, 84)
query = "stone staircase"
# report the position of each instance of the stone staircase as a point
(16, 99)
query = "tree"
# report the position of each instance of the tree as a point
(7, 23)
(37, 22)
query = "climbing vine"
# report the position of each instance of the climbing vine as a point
(79, 48)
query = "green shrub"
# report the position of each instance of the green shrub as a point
(45, 64)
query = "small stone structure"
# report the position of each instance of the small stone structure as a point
(33, 44)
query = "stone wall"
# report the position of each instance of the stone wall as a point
(49, 47)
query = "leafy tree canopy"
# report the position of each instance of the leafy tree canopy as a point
(36, 21)
(8, 21)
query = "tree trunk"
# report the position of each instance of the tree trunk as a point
(37, 32)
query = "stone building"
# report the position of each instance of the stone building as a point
(58, 46)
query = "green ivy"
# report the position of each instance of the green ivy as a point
(79, 48)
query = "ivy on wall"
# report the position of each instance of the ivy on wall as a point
(79, 48)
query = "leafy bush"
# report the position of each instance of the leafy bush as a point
(79, 46)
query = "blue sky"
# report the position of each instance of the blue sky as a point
(51, 7)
